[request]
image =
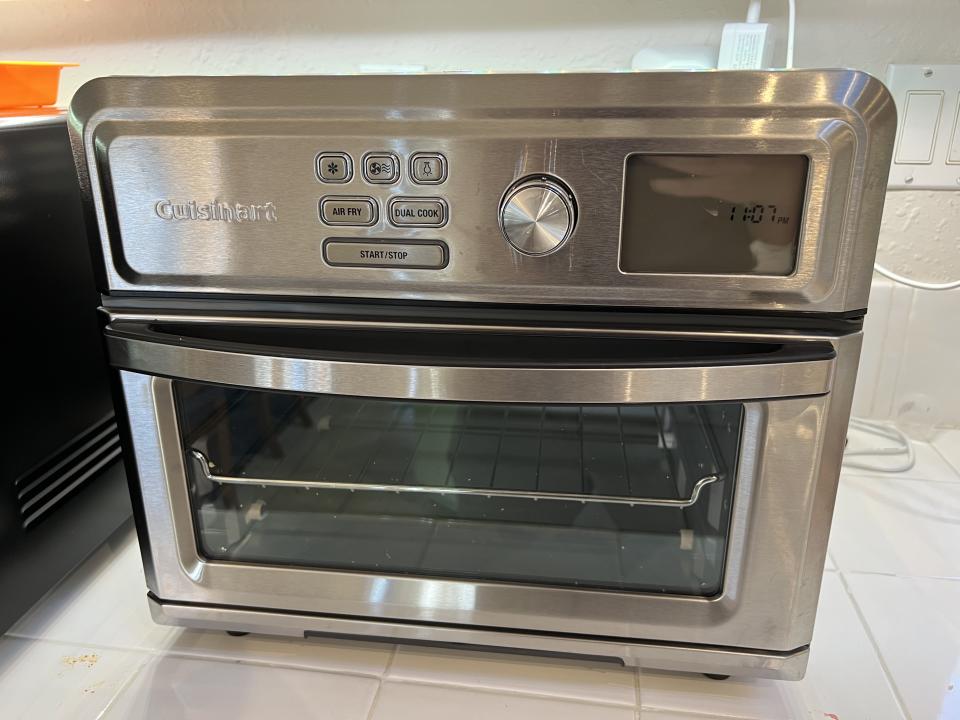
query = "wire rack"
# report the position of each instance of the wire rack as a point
(585, 454)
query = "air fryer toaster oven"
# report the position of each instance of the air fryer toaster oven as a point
(560, 363)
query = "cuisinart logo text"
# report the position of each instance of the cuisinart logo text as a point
(216, 210)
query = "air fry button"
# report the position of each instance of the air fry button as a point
(417, 212)
(341, 210)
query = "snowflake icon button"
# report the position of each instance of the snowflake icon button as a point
(334, 167)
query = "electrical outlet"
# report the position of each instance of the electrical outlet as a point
(927, 152)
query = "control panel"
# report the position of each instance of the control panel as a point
(537, 213)
(381, 170)
(714, 190)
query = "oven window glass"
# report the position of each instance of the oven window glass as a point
(630, 498)
(712, 214)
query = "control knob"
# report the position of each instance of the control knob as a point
(537, 214)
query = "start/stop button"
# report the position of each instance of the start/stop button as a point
(417, 212)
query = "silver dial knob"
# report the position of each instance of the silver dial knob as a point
(537, 215)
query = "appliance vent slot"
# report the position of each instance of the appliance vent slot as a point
(47, 486)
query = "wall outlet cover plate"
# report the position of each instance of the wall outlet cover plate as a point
(927, 152)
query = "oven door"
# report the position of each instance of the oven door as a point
(592, 483)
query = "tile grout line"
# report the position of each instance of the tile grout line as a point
(383, 676)
(698, 713)
(895, 476)
(186, 655)
(956, 470)
(902, 576)
(513, 692)
(888, 674)
(120, 690)
(636, 688)
(256, 662)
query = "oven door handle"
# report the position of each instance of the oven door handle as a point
(248, 366)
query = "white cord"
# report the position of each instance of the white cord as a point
(791, 30)
(910, 282)
(903, 447)
(753, 11)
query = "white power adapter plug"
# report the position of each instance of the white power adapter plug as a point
(747, 45)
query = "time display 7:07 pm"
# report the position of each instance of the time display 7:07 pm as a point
(757, 214)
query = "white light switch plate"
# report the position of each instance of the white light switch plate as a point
(927, 151)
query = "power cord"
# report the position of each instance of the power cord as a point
(902, 446)
(791, 30)
(910, 282)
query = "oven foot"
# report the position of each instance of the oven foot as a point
(236, 633)
(715, 676)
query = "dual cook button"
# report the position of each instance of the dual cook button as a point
(417, 212)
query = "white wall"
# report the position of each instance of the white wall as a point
(909, 367)
(921, 230)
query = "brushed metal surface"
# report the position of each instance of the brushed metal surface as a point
(255, 140)
(689, 658)
(471, 384)
(536, 217)
(785, 488)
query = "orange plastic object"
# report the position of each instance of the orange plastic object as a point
(29, 84)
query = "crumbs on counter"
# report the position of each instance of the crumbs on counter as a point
(89, 660)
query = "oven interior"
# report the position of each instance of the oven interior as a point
(633, 498)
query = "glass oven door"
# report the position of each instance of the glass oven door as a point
(612, 484)
(622, 497)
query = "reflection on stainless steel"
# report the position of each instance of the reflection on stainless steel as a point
(204, 464)
(140, 317)
(691, 659)
(479, 384)
(260, 145)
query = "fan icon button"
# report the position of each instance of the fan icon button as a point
(381, 168)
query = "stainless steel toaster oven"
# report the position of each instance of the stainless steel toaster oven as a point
(559, 363)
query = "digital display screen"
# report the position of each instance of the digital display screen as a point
(712, 214)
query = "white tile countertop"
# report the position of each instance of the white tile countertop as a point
(887, 644)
